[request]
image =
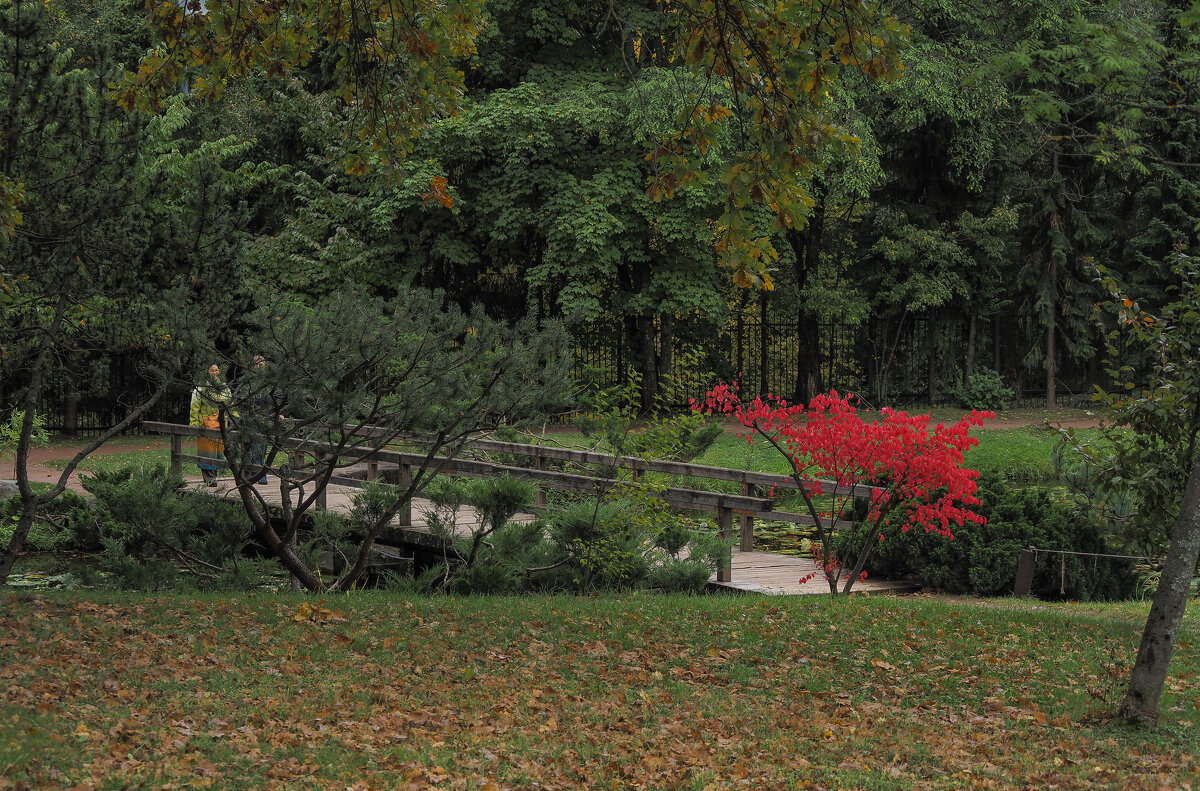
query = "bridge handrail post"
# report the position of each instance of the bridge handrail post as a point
(724, 529)
(404, 515)
(1023, 584)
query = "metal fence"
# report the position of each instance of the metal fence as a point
(111, 390)
(884, 361)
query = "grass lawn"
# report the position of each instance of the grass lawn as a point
(1023, 455)
(1020, 455)
(379, 691)
(113, 461)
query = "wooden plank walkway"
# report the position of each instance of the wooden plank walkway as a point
(779, 575)
(766, 573)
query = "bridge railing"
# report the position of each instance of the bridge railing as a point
(748, 505)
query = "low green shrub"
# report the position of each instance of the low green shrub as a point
(985, 390)
(581, 545)
(157, 536)
(982, 559)
(679, 576)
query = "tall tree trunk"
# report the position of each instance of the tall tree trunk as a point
(1051, 396)
(1052, 298)
(931, 342)
(70, 426)
(1166, 613)
(764, 345)
(642, 332)
(666, 353)
(806, 253)
(29, 502)
(969, 359)
(740, 360)
(648, 356)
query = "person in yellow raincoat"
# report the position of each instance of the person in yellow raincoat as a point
(207, 399)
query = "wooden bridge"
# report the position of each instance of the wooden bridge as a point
(745, 570)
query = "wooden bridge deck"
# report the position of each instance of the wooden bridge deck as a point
(766, 573)
(779, 575)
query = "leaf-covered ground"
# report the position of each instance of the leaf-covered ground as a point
(376, 691)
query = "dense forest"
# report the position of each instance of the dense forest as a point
(890, 199)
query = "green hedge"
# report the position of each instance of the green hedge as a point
(982, 559)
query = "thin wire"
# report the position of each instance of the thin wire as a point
(1097, 555)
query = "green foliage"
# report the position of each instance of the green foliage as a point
(673, 538)
(583, 546)
(493, 551)
(604, 542)
(154, 536)
(1145, 454)
(612, 418)
(137, 502)
(131, 572)
(982, 559)
(10, 433)
(679, 576)
(985, 391)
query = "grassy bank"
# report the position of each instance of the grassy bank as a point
(378, 691)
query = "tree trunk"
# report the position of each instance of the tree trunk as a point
(70, 427)
(969, 360)
(764, 345)
(666, 355)
(1051, 396)
(806, 252)
(1051, 299)
(996, 343)
(29, 502)
(1140, 704)
(741, 335)
(931, 342)
(648, 357)
(643, 334)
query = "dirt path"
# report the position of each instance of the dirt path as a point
(40, 471)
(1080, 423)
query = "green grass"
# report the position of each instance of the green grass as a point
(1027, 415)
(141, 457)
(1022, 455)
(121, 691)
(113, 461)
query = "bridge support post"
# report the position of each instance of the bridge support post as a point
(404, 516)
(746, 539)
(176, 452)
(539, 463)
(1025, 566)
(724, 530)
